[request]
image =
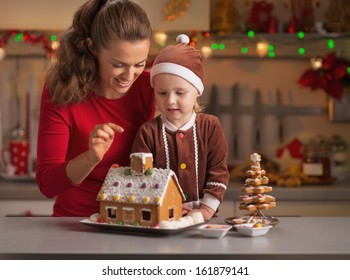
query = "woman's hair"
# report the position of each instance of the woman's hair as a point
(71, 78)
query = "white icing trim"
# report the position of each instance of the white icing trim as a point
(166, 147)
(255, 157)
(217, 184)
(196, 154)
(142, 156)
(178, 70)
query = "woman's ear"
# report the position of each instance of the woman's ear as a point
(90, 46)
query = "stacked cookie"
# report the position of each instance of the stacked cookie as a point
(255, 189)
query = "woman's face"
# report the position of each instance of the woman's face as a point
(120, 65)
(175, 98)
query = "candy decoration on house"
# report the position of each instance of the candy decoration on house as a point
(255, 188)
(337, 16)
(225, 17)
(174, 9)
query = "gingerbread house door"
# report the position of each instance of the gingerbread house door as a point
(128, 215)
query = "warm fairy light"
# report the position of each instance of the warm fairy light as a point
(160, 38)
(2, 53)
(330, 44)
(262, 48)
(55, 45)
(251, 33)
(244, 50)
(214, 46)
(316, 63)
(206, 51)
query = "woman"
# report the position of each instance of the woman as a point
(96, 96)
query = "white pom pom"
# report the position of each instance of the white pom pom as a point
(182, 38)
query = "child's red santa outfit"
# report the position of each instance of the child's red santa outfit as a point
(196, 152)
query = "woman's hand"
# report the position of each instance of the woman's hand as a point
(101, 139)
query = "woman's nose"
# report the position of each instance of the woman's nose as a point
(129, 73)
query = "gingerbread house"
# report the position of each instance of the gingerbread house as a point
(140, 194)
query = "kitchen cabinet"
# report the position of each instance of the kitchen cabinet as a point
(23, 199)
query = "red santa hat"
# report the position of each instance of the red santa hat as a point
(181, 60)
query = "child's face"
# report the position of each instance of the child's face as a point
(175, 98)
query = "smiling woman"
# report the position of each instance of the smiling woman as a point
(86, 111)
(119, 66)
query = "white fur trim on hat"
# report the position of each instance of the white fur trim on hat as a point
(178, 70)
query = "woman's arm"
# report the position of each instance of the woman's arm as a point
(100, 141)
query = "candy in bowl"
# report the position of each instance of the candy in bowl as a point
(251, 229)
(214, 230)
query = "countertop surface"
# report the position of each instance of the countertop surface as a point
(61, 238)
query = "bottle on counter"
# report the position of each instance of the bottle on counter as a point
(339, 158)
(316, 161)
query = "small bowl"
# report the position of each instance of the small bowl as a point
(250, 230)
(214, 230)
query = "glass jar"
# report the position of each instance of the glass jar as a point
(316, 161)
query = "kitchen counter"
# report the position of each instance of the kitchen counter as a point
(66, 238)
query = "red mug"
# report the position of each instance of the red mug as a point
(16, 154)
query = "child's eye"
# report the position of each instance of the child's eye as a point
(119, 65)
(180, 92)
(161, 93)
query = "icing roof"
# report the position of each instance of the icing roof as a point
(119, 185)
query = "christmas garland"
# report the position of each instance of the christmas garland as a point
(31, 38)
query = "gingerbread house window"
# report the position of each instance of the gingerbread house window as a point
(111, 212)
(128, 214)
(146, 215)
(171, 213)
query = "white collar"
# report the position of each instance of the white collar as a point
(173, 128)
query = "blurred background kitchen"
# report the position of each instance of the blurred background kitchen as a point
(277, 74)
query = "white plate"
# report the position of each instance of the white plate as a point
(134, 229)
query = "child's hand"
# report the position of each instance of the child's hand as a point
(186, 210)
(206, 211)
(101, 138)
